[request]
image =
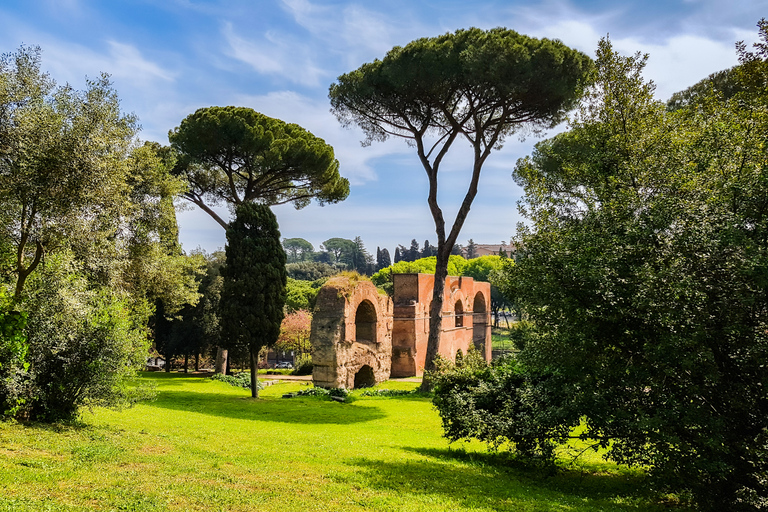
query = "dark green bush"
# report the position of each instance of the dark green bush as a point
(303, 365)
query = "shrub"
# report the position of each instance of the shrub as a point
(303, 365)
(240, 380)
(497, 403)
(84, 347)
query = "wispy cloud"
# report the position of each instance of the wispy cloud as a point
(276, 54)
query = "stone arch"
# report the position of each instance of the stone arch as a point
(364, 378)
(479, 321)
(458, 313)
(365, 322)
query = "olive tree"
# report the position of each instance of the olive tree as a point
(480, 86)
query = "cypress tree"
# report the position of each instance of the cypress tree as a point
(253, 293)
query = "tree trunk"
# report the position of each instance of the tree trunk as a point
(186, 363)
(221, 361)
(435, 318)
(197, 362)
(254, 373)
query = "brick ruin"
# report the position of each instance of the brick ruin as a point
(360, 336)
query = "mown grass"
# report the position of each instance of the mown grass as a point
(204, 445)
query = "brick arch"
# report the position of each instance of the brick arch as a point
(360, 337)
(480, 321)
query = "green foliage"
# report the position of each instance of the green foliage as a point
(318, 391)
(84, 346)
(297, 249)
(387, 392)
(253, 293)
(382, 278)
(13, 356)
(64, 163)
(311, 270)
(302, 365)
(301, 295)
(497, 403)
(644, 275)
(234, 155)
(239, 380)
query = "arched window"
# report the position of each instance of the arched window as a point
(365, 323)
(479, 322)
(458, 313)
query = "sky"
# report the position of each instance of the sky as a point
(168, 58)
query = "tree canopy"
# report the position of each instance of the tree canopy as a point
(644, 276)
(233, 155)
(480, 86)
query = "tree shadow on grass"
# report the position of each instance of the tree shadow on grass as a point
(307, 411)
(496, 482)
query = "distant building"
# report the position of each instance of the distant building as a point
(489, 249)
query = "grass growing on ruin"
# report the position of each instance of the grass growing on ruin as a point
(204, 445)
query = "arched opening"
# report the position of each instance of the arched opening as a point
(479, 322)
(458, 313)
(365, 323)
(364, 377)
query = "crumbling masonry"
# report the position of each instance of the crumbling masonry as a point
(361, 336)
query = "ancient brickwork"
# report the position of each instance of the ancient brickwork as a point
(351, 334)
(361, 337)
(465, 320)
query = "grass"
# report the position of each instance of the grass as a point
(205, 445)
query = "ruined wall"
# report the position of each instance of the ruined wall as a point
(351, 334)
(360, 338)
(465, 320)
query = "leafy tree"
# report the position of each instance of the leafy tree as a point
(361, 260)
(84, 344)
(301, 295)
(13, 356)
(253, 294)
(398, 256)
(235, 155)
(477, 85)
(295, 331)
(297, 249)
(63, 161)
(342, 249)
(644, 277)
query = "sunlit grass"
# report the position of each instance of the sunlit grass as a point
(205, 445)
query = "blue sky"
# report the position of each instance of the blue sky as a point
(169, 57)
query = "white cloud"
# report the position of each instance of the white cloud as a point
(277, 55)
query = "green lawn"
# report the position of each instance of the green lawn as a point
(204, 445)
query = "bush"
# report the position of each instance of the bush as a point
(497, 403)
(84, 347)
(239, 380)
(303, 365)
